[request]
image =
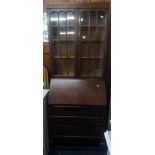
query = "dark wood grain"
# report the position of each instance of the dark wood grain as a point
(77, 121)
(76, 1)
(70, 142)
(81, 5)
(76, 130)
(78, 110)
(77, 92)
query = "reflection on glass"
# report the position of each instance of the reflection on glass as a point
(84, 33)
(92, 18)
(84, 18)
(70, 33)
(70, 19)
(71, 67)
(62, 18)
(64, 66)
(101, 18)
(63, 33)
(84, 37)
(54, 18)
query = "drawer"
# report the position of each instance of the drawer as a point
(77, 121)
(76, 142)
(67, 110)
(76, 130)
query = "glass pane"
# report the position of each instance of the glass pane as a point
(56, 50)
(63, 46)
(99, 51)
(63, 50)
(54, 18)
(70, 33)
(56, 67)
(84, 68)
(100, 34)
(84, 18)
(64, 67)
(92, 18)
(84, 50)
(91, 68)
(98, 68)
(92, 50)
(92, 34)
(70, 19)
(55, 33)
(101, 17)
(63, 33)
(71, 67)
(62, 19)
(71, 51)
(62, 22)
(84, 33)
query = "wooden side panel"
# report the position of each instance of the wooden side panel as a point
(82, 111)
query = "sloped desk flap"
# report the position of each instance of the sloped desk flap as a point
(77, 92)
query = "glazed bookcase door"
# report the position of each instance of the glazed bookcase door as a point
(63, 42)
(92, 27)
(78, 42)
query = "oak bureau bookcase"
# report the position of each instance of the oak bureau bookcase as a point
(77, 106)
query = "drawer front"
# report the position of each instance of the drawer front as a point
(58, 110)
(80, 142)
(76, 131)
(77, 121)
